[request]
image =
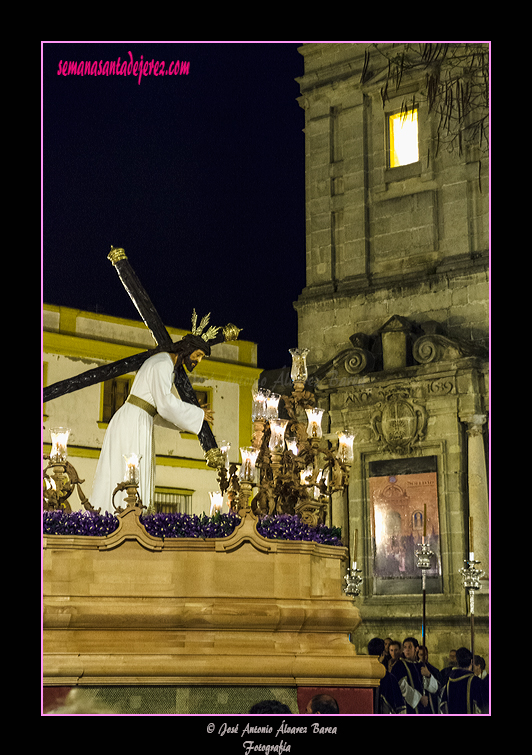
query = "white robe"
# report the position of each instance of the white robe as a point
(131, 431)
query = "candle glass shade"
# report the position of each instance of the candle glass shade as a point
(272, 409)
(259, 408)
(59, 437)
(225, 447)
(314, 422)
(345, 448)
(247, 469)
(217, 500)
(299, 372)
(291, 444)
(277, 427)
(132, 472)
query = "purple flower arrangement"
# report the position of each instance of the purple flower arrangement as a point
(78, 523)
(281, 527)
(186, 525)
(288, 527)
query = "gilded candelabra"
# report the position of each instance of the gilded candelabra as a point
(60, 477)
(289, 467)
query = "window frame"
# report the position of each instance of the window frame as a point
(103, 421)
(390, 116)
(178, 492)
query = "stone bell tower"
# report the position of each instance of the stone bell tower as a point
(395, 315)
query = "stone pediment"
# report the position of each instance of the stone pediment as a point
(398, 323)
(399, 343)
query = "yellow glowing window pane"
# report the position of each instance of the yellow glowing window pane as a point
(404, 139)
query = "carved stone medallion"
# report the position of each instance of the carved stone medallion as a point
(399, 421)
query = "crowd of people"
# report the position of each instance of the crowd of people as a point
(413, 685)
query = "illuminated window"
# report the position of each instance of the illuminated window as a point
(404, 147)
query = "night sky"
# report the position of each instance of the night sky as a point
(199, 177)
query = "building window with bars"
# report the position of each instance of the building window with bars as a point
(172, 500)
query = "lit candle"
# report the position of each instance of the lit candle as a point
(424, 520)
(59, 437)
(471, 549)
(355, 551)
(299, 372)
(216, 502)
(277, 427)
(132, 468)
(247, 469)
(272, 406)
(314, 422)
(260, 405)
(345, 447)
(224, 450)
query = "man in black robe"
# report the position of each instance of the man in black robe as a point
(423, 658)
(390, 699)
(415, 680)
(464, 692)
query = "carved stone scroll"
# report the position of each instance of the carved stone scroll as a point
(437, 348)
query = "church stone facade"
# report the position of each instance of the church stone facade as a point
(395, 315)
